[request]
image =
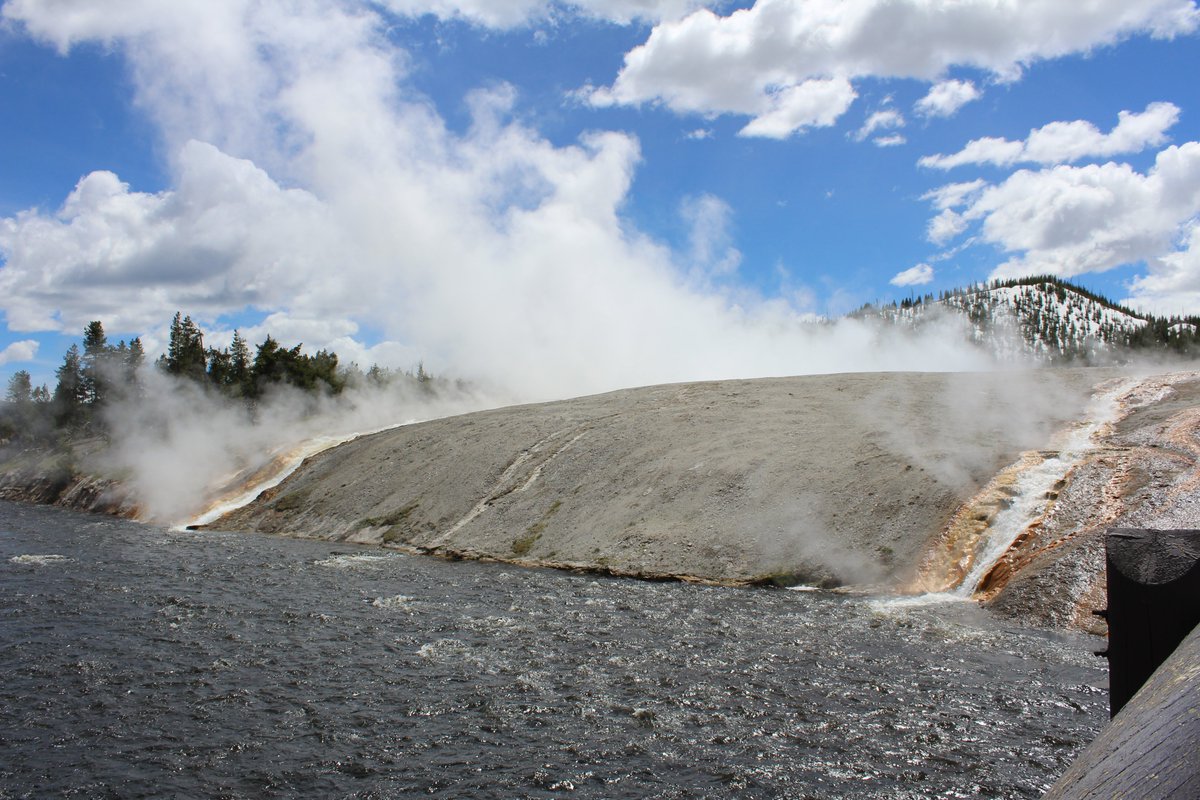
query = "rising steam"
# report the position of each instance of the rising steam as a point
(310, 180)
(177, 445)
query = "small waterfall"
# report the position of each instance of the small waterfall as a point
(987, 527)
(243, 487)
(1034, 485)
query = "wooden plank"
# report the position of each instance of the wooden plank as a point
(1151, 749)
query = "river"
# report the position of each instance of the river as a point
(145, 662)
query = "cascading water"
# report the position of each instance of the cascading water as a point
(987, 527)
(240, 489)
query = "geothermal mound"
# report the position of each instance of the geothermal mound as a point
(818, 479)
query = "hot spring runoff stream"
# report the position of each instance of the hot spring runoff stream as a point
(142, 662)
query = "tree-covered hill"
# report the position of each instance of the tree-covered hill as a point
(1048, 319)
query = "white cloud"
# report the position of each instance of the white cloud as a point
(711, 64)
(1065, 142)
(953, 195)
(945, 226)
(893, 140)
(293, 329)
(24, 350)
(884, 119)
(1172, 284)
(813, 103)
(699, 134)
(513, 13)
(310, 182)
(1069, 220)
(919, 275)
(946, 98)
(225, 238)
(986, 150)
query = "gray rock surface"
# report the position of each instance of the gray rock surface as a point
(822, 479)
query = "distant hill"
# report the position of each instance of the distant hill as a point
(1052, 320)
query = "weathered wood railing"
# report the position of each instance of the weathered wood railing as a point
(1151, 749)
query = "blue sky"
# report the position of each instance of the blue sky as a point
(620, 191)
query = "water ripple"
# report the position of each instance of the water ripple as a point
(208, 664)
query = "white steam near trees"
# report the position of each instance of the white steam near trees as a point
(310, 181)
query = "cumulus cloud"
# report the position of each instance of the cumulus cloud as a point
(1172, 283)
(711, 64)
(1065, 142)
(946, 98)
(945, 226)
(919, 275)
(117, 20)
(813, 103)
(24, 350)
(310, 182)
(953, 195)
(226, 237)
(1069, 220)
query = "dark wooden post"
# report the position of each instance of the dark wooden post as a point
(1153, 603)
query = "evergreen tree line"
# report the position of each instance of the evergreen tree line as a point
(232, 371)
(85, 380)
(101, 373)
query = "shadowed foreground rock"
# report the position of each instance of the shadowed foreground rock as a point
(830, 479)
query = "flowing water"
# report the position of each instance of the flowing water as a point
(1017, 500)
(242, 487)
(143, 662)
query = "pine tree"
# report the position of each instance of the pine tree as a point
(20, 388)
(378, 376)
(20, 419)
(220, 368)
(69, 393)
(186, 356)
(95, 363)
(239, 355)
(135, 357)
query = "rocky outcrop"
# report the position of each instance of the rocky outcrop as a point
(53, 478)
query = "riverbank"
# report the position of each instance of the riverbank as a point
(68, 476)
